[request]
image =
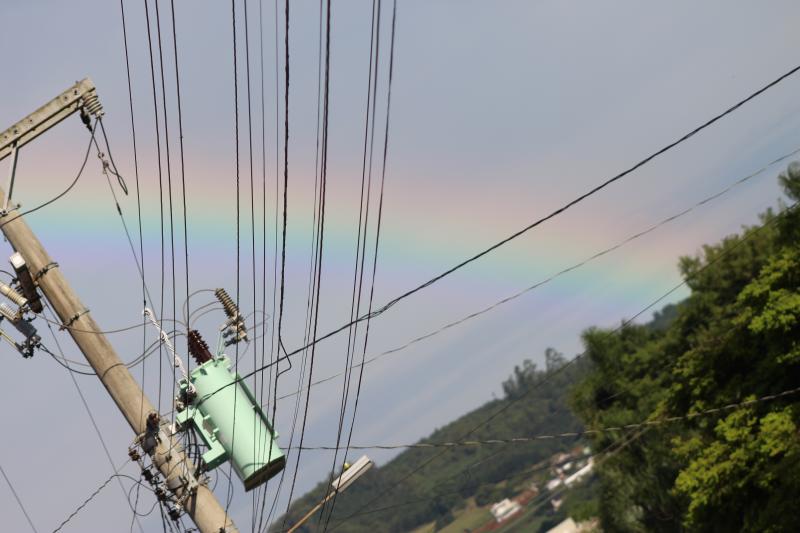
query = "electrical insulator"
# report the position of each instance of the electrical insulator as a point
(227, 303)
(234, 327)
(133, 454)
(8, 313)
(198, 347)
(147, 475)
(11, 293)
(161, 495)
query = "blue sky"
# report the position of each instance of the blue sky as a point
(501, 111)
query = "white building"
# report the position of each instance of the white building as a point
(580, 474)
(505, 509)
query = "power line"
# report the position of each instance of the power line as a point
(566, 270)
(377, 235)
(556, 212)
(91, 416)
(19, 501)
(361, 239)
(650, 422)
(572, 361)
(320, 232)
(97, 491)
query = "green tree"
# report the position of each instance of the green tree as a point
(735, 338)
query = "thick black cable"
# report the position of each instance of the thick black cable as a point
(183, 168)
(536, 223)
(160, 185)
(252, 229)
(238, 251)
(556, 212)
(138, 191)
(361, 242)
(577, 358)
(169, 180)
(321, 232)
(377, 243)
(285, 199)
(563, 271)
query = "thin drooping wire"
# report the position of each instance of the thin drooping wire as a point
(138, 194)
(566, 270)
(69, 187)
(557, 211)
(321, 232)
(548, 377)
(169, 182)
(238, 249)
(183, 169)
(597, 458)
(91, 416)
(361, 241)
(17, 498)
(94, 494)
(377, 242)
(256, 426)
(540, 221)
(160, 184)
(264, 489)
(313, 266)
(285, 204)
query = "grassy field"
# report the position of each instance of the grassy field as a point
(468, 519)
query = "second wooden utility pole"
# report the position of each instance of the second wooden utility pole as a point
(202, 506)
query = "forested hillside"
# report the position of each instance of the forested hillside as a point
(735, 339)
(392, 498)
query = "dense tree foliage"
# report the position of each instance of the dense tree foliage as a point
(735, 338)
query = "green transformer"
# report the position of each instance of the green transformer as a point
(230, 422)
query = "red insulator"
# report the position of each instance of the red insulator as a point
(198, 347)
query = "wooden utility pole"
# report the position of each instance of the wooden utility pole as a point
(168, 455)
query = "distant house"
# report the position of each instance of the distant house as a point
(580, 474)
(505, 509)
(553, 483)
(569, 526)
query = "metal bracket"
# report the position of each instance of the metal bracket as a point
(81, 95)
(12, 172)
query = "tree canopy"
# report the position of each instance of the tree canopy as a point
(734, 339)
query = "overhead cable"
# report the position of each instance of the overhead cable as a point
(566, 270)
(623, 324)
(556, 212)
(650, 422)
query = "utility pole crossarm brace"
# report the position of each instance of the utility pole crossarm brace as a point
(82, 94)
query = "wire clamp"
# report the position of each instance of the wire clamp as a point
(45, 269)
(72, 320)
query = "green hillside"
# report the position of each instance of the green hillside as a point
(535, 402)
